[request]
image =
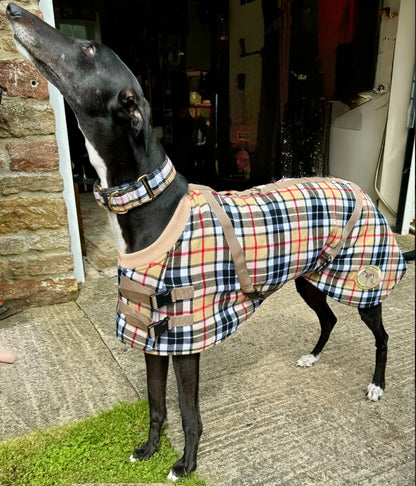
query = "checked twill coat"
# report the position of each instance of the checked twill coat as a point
(200, 280)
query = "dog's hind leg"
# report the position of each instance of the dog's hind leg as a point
(372, 317)
(316, 300)
(157, 371)
(187, 377)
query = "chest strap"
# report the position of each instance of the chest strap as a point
(145, 323)
(136, 292)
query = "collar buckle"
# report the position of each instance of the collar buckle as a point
(115, 209)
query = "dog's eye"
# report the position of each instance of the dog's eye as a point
(90, 49)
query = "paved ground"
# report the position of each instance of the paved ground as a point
(266, 422)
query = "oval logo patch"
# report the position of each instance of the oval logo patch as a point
(368, 277)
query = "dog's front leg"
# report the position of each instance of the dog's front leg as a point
(157, 371)
(187, 377)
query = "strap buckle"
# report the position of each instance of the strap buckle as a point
(255, 295)
(159, 299)
(158, 328)
(323, 265)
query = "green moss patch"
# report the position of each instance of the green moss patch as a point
(94, 450)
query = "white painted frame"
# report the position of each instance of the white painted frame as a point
(57, 102)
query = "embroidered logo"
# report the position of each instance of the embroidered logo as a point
(368, 277)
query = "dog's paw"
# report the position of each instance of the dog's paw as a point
(307, 360)
(374, 392)
(172, 477)
(142, 453)
(181, 469)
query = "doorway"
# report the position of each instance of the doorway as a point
(173, 50)
(204, 86)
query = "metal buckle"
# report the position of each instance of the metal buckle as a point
(98, 187)
(323, 265)
(115, 209)
(256, 295)
(146, 186)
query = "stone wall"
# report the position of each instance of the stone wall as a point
(36, 263)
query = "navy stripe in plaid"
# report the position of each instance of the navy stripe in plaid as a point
(282, 233)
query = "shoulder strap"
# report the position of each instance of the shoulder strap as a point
(233, 244)
(329, 254)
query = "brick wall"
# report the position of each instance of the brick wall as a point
(36, 263)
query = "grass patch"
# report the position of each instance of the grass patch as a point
(94, 450)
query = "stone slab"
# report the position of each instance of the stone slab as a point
(266, 421)
(62, 372)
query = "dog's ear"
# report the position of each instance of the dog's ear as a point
(133, 107)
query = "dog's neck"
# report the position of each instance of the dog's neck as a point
(141, 226)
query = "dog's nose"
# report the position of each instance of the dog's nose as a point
(13, 11)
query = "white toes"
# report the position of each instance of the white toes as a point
(374, 392)
(308, 360)
(172, 477)
(132, 458)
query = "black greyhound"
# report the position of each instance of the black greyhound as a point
(114, 117)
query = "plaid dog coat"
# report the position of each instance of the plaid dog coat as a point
(199, 281)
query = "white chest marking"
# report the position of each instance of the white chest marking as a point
(99, 165)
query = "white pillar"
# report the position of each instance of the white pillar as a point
(57, 102)
(396, 130)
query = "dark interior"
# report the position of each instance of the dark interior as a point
(180, 54)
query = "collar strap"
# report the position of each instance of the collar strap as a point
(120, 199)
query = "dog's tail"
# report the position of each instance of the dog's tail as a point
(409, 255)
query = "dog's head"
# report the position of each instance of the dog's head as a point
(98, 86)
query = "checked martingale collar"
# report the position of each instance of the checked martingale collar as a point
(120, 199)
